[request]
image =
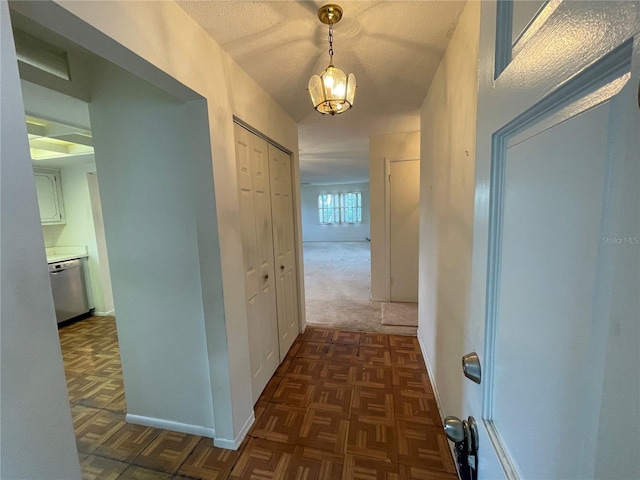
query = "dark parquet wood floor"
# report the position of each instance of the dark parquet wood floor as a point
(343, 405)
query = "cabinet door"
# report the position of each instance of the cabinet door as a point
(49, 197)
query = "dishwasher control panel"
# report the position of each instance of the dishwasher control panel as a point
(63, 265)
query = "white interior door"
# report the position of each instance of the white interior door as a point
(404, 203)
(257, 241)
(284, 247)
(558, 152)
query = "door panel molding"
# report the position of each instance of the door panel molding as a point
(594, 86)
(535, 23)
(507, 47)
(532, 48)
(503, 46)
(616, 65)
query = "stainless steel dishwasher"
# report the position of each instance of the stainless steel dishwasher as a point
(68, 287)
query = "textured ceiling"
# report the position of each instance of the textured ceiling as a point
(393, 48)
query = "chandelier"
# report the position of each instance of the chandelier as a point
(332, 91)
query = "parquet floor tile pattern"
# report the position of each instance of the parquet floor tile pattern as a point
(341, 406)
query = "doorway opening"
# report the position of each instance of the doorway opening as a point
(337, 259)
(73, 232)
(338, 285)
(153, 161)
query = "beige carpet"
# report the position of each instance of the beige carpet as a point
(337, 278)
(400, 314)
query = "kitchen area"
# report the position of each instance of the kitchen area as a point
(69, 202)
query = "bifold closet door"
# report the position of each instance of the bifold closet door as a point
(257, 242)
(284, 247)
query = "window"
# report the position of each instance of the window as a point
(327, 210)
(340, 208)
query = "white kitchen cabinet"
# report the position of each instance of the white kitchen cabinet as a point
(50, 201)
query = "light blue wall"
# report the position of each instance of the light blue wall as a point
(37, 438)
(149, 197)
(312, 231)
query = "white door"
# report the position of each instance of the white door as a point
(557, 210)
(255, 208)
(284, 247)
(404, 203)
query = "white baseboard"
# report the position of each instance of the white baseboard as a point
(169, 425)
(436, 394)
(110, 313)
(236, 442)
(430, 373)
(379, 299)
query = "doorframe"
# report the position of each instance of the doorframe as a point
(101, 245)
(387, 218)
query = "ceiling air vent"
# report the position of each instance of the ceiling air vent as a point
(41, 55)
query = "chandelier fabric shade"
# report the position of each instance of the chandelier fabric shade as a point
(332, 91)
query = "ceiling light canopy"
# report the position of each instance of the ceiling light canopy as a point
(332, 91)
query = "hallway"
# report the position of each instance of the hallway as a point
(348, 405)
(337, 279)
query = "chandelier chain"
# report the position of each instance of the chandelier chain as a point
(331, 42)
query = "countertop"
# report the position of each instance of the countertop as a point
(62, 254)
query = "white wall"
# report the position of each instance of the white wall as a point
(42, 102)
(394, 146)
(313, 231)
(139, 135)
(37, 438)
(447, 189)
(102, 255)
(173, 48)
